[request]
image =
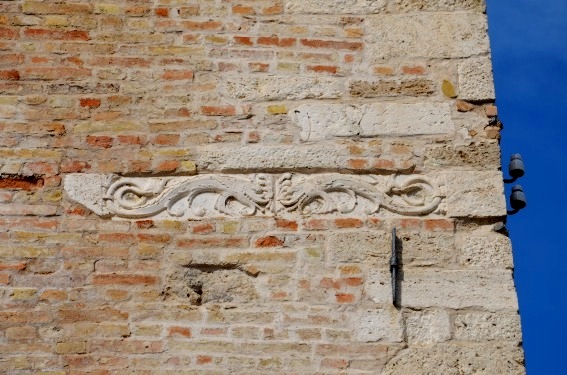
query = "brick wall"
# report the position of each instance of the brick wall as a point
(346, 117)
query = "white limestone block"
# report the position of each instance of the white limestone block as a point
(475, 80)
(488, 327)
(254, 88)
(429, 326)
(379, 325)
(323, 121)
(427, 35)
(86, 189)
(473, 193)
(335, 6)
(457, 289)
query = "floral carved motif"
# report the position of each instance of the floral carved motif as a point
(228, 195)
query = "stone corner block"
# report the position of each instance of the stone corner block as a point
(475, 80)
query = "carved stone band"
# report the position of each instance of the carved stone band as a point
(261, 195)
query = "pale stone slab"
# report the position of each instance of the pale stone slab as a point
(379, 325)
(474, 193)
(485, 250)
(427, 35)
(488, 327)
(457, 289)
(270, 158)
(322, 121)
(86, 189)
(429, 326)
(360, 247)
(335, 6)
(475, 80)
(440, 5)
(254, 88)
(458, 359)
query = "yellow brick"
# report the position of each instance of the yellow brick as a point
(111, 9)
(52, 196)
(188, 166)
(177, 50)
(71, 347)
(24, 153)
(8, 100)
(288, 67)
(56, 21)
(170, 224)
(277, 109)
(23, 294)
(216, 39)
(139, 23)
(230, 227)
(108, 127)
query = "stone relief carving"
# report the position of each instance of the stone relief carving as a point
(345, 194)
(199, 196)
(288, 194)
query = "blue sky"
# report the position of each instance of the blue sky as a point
(529, 51)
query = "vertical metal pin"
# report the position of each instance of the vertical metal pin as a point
(394, 268)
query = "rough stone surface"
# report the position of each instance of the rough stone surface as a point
(320, 122)
(453, 359)
(427, 35)
(474, 247)
(379, 325)
(475, 80)
(441, 5)
(335, 6)
(474, 194)
(360, 247)
(429, 326)
(486, 327)
(457, 289)
(283, 88)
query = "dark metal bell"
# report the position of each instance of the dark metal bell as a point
(518, 198)
(516, 167)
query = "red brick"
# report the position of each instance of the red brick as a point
(154, 238)
(74, 166)
(269, 241)
(352, 281)
(227, 110)
(177, 75)
(275, 41)
(106, 279)
(10, 75)
(335, 363)
(167, 139)
(276, 9)
(258, 67)
(116, 237)
(204, 359)
(287, 224)
(6, 33)
(205, 25)
(357, 163)
(162, 12)
(102, 141)
(4, 278)
(243, 10)
(329, 283)
(348, 223)
(179, 331)
(13, 266)
(416, 70)
(21, 182)
(243, 40)
(167, 166)
(131, 139)
(90, 102)
(323, 69)
(145, 224)
(53, 34)
(203, 228)
(214, 331)
(439, 225)
(332, 44)
(345, 298)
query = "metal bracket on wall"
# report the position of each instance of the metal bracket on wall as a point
(394, 268)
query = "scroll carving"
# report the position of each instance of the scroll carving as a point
(199, 196)
(285, 195)
(345, 194)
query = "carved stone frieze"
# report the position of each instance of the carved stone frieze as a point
(282, 195)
